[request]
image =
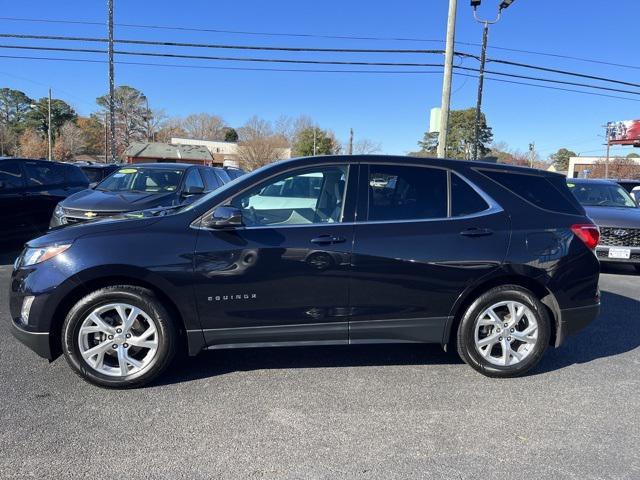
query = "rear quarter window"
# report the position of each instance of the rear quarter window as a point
(76, 176)
(544, 192)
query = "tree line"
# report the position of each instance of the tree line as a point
(24, 128)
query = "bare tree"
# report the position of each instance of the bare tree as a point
(289, 128)
(70, 142)
(32, 144)
(169, 128)
(365, 146)
(152, 122)
(258, 144)
(131, 108)
(203, 126)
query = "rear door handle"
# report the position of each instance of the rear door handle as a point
(328, 240)
(476, 232)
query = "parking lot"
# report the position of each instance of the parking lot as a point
(385, 411)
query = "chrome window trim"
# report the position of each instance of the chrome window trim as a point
(494, 208)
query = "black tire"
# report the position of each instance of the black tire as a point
(135, 296)
(466, 331)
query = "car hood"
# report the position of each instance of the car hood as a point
(614, 216)
(102, 201)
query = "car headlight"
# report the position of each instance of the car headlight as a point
(31, 256)
(59, 211)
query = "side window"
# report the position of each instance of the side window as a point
(210, 179)
(193, 179)
(537, 190)
(399, 192)
(10, 176)
(464, 199)
(307, 197)
(41, 174)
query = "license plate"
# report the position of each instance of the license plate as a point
(624, 253)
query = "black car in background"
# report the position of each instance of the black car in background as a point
(29, 192)
(492, 260)
(96, 172)
(616, 214)
(234, 172)
(139, 187)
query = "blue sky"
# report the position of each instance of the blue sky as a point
(390, 108)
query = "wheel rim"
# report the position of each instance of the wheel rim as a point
(506, 333)
(118, 340)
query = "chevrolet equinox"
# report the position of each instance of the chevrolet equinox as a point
(494, 261)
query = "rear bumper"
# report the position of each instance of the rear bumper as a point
(36, 341)
(572, 320)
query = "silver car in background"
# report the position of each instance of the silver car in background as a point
(617, 215)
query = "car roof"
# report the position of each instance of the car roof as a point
(402, 159)
(593, 181)
(175, 166)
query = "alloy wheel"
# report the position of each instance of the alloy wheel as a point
(118, 340)
(506, 333)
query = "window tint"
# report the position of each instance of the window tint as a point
(312, 196)
(93, 174)
(223, 175)
(464, 199)
(10, 175)
(193, 179)
(44, 173)
(398, 192)
(210, 179)
(538, 190)
(76, 175)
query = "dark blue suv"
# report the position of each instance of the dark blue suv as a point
(139, 187)
(493, 261)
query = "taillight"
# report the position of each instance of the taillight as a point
(588, 233)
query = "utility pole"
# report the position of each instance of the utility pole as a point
(606, 162)
(446, 82)
(49, 129)
(112, 117)
(106, 138)
(532, 152)
(483, 58)
(351, 141)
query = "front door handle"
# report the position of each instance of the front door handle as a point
(328, 240)
(476, 232)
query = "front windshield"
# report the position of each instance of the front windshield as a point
(141, 179)
(601, 195)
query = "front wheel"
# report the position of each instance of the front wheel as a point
(119, 337)
(505, 332)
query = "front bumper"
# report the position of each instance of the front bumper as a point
(572, 320)
(602, 253)
(36, 341)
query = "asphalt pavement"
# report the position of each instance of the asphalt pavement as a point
(364, 412)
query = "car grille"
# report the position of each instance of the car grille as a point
(619, 237)
(73, 215)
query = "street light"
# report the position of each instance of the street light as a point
(483, 58)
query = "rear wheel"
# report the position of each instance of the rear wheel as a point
(504, 332)
(119, 337)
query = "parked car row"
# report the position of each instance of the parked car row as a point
(38, 194)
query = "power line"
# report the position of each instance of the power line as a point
(389, 72)
(319, 36)
(312, 62)
(299, 49)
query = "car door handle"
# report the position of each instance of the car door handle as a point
(328, 239)
(476, 232)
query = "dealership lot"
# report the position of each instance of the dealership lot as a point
(382, 411)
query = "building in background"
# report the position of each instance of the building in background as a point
(593, 167)
(143, 152)
(223, 153)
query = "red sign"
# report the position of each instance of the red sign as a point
(626, 132)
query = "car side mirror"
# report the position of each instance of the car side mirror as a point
(192, 190)
(224, 217)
